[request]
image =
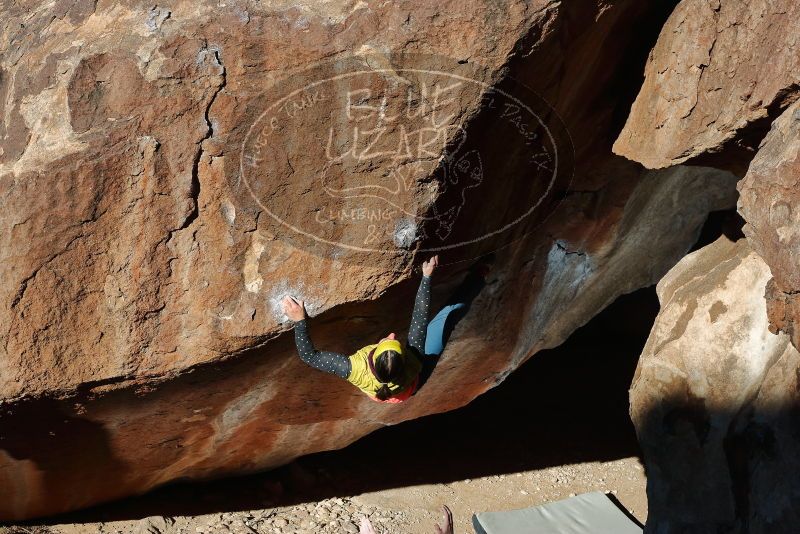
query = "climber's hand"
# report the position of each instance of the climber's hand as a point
(447, 522)
(430, 265)
(294, 309)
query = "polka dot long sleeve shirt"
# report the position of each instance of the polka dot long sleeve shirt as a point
(339, 364)
(419, 317)
(330, 362)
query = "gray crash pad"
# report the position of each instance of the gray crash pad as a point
(589, 513)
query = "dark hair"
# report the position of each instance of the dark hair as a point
(388, 368)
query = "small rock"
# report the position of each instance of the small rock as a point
(301, 514)
(154, 525)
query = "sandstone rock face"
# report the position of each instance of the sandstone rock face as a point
(142, 341)
(719, 73)
(770, 201)
(129, 229)
(714, 401)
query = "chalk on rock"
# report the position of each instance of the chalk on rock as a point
(283, 289)
(405, 233)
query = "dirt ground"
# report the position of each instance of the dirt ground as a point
(624, 478)
(408, 510)
(557, 427)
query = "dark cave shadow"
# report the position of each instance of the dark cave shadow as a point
(729, 470)
(67, 451)
(566, 405)
(718, 223)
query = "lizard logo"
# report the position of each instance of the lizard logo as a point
(348, 157)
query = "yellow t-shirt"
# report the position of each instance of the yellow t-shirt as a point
(361, 376)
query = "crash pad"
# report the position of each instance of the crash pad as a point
(589, 513)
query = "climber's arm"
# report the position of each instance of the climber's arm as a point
(330, 362)
(419, 317)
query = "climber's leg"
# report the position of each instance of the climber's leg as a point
(456, 307)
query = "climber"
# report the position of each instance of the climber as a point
(387, 371)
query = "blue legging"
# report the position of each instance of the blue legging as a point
(443, 323)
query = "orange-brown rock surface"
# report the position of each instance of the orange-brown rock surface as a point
(720, 72)
(770, 201)
(719, 90)
(142, 263)
(714, 398)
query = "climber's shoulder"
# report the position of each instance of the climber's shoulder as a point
(359, 363)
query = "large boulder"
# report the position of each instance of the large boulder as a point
(132, 246)
(721, 77)
(143, 257)
(719, 73)
(715, 401)
(770, 202)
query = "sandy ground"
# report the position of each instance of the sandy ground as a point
(624, 478)
(557, 427)
(408, 510)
